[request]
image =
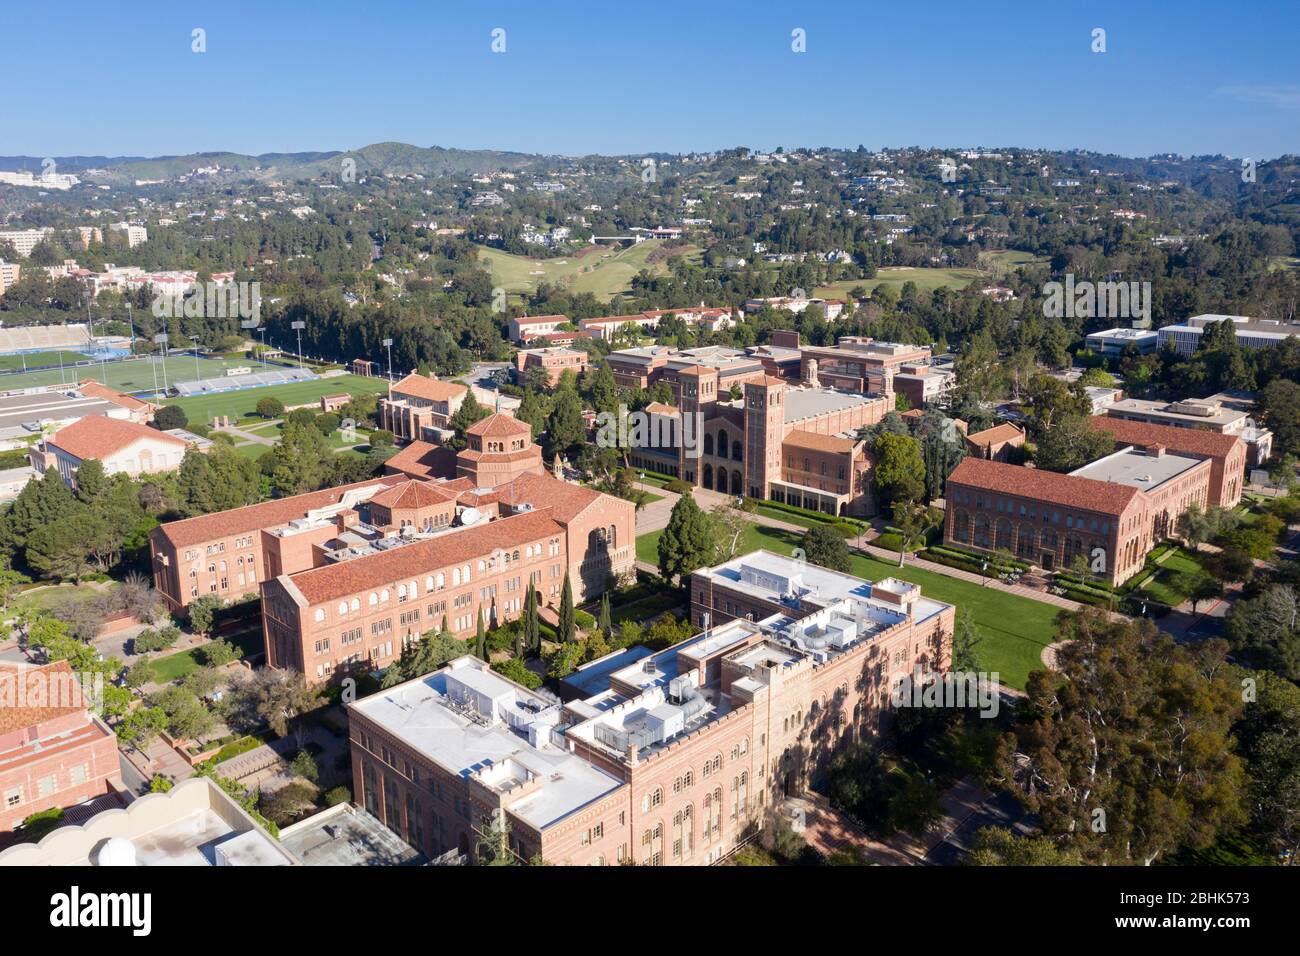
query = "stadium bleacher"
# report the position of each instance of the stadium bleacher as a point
(43, 338)
(232, 383)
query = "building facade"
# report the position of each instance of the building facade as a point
(671, 759)
(419, 406)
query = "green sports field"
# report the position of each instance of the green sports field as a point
(41, 359)
(604, 271)
(130, 375)
(243, 403)
(1014, 629)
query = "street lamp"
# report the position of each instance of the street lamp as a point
(261, 330)
(195, 340)
(298, 327)
(984, 572)
(388, 344)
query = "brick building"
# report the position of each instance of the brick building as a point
(398, 563)
(554, 361)
(1111, 512)
(53, 752)
(794, 444)
(1227, 453)
(419, 405)
(998, 443)
(225, 553)
(673, 757)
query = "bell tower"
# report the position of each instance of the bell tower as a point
(764, 430)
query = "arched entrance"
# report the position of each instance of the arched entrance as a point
(722, 479)
(708, 477)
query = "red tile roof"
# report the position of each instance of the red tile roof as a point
(37, 694)
(499, 425)
(420, 557)
(1186, 441)
(267, 514)
(422, 459)
(1086, 494)
(432, 389)
(413, 494)
(998, 433)
(798, 438)
(94, 389)
(565, 501)
(97, 436)
(525, 320)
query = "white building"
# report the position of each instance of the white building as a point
(1251, 333)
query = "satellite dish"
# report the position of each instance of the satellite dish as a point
(116, 851)
(471, 516)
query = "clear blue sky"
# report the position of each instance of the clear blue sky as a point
(631, 76)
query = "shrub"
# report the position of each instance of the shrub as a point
(336, 796)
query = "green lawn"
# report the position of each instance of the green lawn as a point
(603, 272)
(131, 375)
(926, 279)
(241, 404)
(41, 359)
(1015, 629)
(1161, 585)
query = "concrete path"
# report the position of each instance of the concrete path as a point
(249, 437)
(654, 517)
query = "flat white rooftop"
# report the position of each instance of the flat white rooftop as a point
(1137, 469)
(426, 715)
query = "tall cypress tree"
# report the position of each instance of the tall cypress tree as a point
(480, 640)
(606, 623)
(568, 625)
(532, 626)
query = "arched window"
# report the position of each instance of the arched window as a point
(961, 526)
(708, 444)
(319, 615)
(722, 444)
(356, 604)
(1025, 541)
(440, 580)
(455, 576)
(428, 583)
(343, 608)
(737, 452)
(982, 531)
(383, 594)
(1003, 535)
(374, 599)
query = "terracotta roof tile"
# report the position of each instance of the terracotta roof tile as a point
(266, 514)
(1086, 494)
(432, 389)
(420, 557)
(413, 494)
(422, 459)
(27, 692)
(97, 436)
(565, 501)
(499, 425)
(798, 438)
(94, 389)
(998, 433)
(1186, 441)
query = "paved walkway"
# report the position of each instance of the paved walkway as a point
(250, 437)
(655, 515)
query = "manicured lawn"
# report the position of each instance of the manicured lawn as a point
(174, 666)
(1015, 629)
(241, 404)
(1161, 585)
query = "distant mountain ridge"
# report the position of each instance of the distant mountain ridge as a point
(376, 159)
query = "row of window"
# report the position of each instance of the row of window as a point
(48, 785)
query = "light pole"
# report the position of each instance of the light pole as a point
(195, 340)
(298, 327)
(161, 339)
(261, 330)
(388, 344)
